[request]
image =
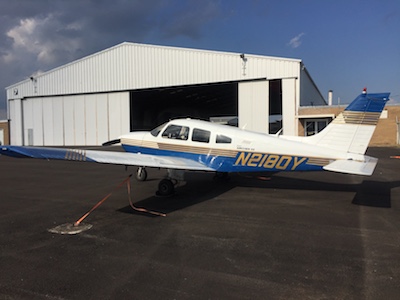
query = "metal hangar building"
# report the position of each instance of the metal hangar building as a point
(136, 87)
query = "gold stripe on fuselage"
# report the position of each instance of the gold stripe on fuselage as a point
(354, 117)
(139, 143)
(205, 151)
(180, 148)
(198, 150)
(318, 161)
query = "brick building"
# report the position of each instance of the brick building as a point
(313, 119)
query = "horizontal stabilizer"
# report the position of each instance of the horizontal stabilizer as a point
(365, 167)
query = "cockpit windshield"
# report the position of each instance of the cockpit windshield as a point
(176, 132)
(157, 130)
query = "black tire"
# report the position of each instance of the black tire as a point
(165, 187)
(141, 174)
(221, 175)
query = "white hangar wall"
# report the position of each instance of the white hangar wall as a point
(70, 120)
(77, 103)
(253, 106)
(130, 66)
(254, 109)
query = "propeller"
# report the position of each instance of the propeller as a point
(112, 142)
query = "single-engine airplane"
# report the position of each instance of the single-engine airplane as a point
(193, 145)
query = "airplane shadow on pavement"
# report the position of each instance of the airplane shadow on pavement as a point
(193, 192)
(375, 193)
(202, 187)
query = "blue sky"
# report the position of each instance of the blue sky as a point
(345, 45)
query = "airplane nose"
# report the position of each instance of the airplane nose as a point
(132, 138)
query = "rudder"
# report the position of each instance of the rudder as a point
(352, 130)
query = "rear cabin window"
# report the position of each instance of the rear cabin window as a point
(223, 139)
(200, 135)
(176, 132)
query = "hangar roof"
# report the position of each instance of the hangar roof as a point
(132, 66)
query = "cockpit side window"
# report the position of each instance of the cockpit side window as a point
(222, 139)
(157, 130)
(200, 135)
(176, 132)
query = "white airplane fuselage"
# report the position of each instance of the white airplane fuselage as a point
(229, 149)
(193, 145)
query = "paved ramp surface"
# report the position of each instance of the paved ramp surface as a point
(313, 235)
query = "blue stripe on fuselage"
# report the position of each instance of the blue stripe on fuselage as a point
(243, 162)
(218, 163)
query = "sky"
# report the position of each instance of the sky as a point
(346, 45)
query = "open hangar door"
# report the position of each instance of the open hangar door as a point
(267, 106)
(152, 107)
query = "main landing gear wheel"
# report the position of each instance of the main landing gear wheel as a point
(165, 188)
(221, 175)
(141, 174)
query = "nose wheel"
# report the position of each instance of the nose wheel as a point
(141, 174)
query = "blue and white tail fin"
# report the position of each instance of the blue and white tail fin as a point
(352, 130)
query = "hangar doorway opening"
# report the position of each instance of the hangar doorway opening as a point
(275, 105)
(152, 107)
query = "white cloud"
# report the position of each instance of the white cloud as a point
(20, 33)
(38, 37)
(296, 41)
(394, 99)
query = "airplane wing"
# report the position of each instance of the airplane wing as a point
(105, 157)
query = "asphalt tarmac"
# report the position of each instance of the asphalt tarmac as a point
(317, 235)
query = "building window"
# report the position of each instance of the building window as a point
(200, 135)
(314, 126)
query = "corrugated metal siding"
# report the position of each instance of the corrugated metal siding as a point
(61, 117)
(16, 132)
(82, 120)
(131, 66)
(253, 106)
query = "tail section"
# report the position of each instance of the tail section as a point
(352, 130)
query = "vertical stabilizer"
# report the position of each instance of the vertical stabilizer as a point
(352, 130)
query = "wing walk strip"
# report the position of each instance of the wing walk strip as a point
(76, 155)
